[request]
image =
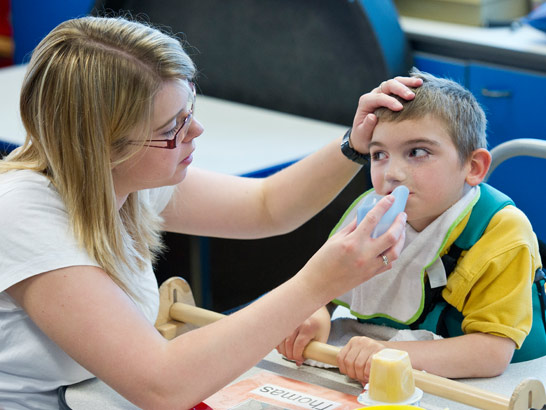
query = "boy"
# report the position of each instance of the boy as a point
(481, 300)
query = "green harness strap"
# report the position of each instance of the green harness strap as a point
(490, 202)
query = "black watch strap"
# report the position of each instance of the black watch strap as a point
(350, 152)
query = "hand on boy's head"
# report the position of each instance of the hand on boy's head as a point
(381, 96)
(355, 358)
(399, 86)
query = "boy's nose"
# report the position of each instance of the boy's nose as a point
(394, 172)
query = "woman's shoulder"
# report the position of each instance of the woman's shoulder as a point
(36, 235)
(24, 191)
(19, 181)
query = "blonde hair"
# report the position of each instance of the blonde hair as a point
(90, 84)
(450, 102)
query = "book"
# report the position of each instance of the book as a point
(269, 391)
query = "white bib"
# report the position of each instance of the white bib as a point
(398, 294)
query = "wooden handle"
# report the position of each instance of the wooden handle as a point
(193, 314)
(460, 392)
(429, 383)
(321, 352)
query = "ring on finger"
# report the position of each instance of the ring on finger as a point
(385, 260)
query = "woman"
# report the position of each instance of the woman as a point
(108, 108)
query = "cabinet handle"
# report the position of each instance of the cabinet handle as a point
(496, 93)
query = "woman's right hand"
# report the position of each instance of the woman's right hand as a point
(352, 256)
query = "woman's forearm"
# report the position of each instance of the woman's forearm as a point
(297, 193)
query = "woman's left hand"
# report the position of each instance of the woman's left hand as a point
(381, 96)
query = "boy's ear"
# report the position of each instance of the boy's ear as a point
(479, 164)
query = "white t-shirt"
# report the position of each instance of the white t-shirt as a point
(35, 237)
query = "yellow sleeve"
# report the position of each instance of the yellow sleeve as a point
(492, 284)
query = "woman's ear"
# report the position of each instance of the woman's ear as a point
(479, 163)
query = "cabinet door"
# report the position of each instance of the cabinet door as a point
(515, 103)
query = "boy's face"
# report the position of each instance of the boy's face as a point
(420, 155)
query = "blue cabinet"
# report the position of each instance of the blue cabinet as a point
(514, 101)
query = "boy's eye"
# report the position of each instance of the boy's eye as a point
(376, 156)
(418, 152)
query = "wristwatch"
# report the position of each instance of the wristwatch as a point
(351, 153)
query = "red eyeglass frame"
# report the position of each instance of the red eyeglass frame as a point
(172, 142)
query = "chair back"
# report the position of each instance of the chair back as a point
(517, 169)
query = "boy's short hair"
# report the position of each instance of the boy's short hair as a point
(450, 102)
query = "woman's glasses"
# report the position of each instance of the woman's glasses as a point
(182, 131)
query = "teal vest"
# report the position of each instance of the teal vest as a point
(441, 318)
